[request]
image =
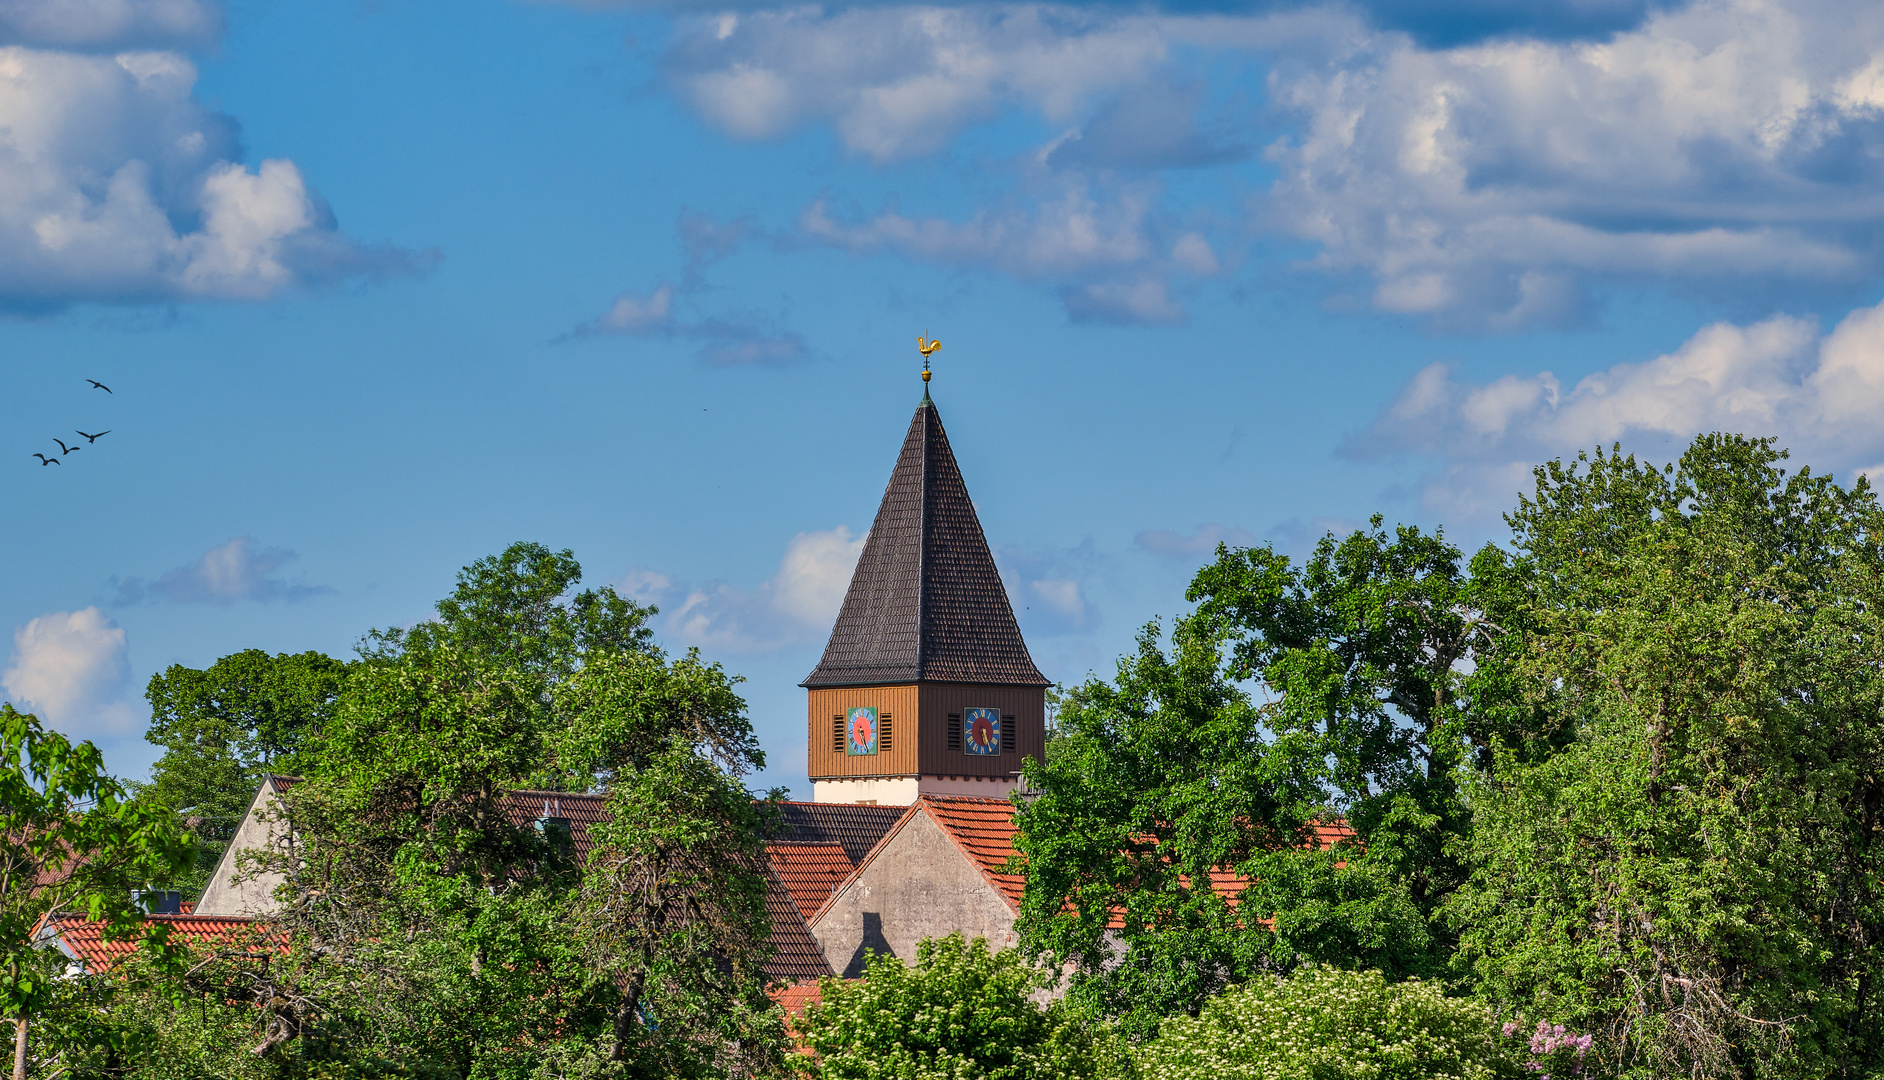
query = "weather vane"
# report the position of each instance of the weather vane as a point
(926, 347)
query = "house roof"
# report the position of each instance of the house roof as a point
(794, 997)
(925, 601)
(795, 952)
(83, 939)
(809, 870)
(855, 827)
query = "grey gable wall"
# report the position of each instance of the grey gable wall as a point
(918, 885)
(232, 892)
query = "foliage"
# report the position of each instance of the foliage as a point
(223, 728)
(1171, 772)
(673, 896)
(1156, 779)
(1695, 876)
(960, 1012)
(509, 611)
(71, 841)
(441, 922)
(1328, 1024)
(1380, 658)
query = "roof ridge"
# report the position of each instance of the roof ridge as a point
(986, 874)
(926, 411)
(870, 856)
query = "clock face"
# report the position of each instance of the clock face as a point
(981, 731)
(863, 731)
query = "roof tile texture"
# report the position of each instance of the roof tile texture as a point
(926, 602)
(809, 871)
(795, 953)
(86, 937)
(853, 826)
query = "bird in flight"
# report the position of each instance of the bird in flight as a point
(44, 460)
(94, 438)
(64, 449)
(101, 386)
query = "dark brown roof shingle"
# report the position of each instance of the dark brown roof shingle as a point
(926, 602)
(855, 827)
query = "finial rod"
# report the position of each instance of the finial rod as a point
(925, 346)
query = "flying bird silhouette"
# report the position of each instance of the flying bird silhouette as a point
(44, 460)
(101, 386)
(64, 449)
(94, 438)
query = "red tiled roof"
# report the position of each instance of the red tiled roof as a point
(795, 953)
(809, 870)
(794, 997)
(84, 939)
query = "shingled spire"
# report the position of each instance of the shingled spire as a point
(925, 602)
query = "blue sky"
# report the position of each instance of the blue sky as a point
(380, 287)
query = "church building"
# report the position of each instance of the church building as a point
(925, 686)
(920, 713)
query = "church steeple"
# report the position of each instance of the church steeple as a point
(925, 685)
(925, 603)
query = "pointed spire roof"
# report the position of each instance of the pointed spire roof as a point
(925, 602)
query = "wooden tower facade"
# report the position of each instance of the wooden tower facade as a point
(925, 686)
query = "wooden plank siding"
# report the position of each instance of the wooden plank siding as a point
(899, 701)
(920, 728)
(1026, 704)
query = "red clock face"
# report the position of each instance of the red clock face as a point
(981, 731)
(863, 731)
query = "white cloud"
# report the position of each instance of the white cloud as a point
(96, 24)
(1048, 586)
(1819, 394)
(899, 82)
(745, 340)
(1105, 247)
(117, 185)
(1061, 596)
(798, 604)
(645, 586)
(635, 314)
(67, 667)
(1202, 540)
(1070, 232)
(232, 572)
(1726, 144)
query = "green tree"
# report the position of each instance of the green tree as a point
(1158, 780)
(426, 922)
(514, 610)
(672, 907)
(1380, 655)
(71, 841)
(960, 1012)
(1693, 874)
(1328, 1024)
(439, 927)
(1380, 668)
(226, 726)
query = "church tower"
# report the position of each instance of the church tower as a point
(925, 686)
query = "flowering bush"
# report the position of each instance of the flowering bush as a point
(959, 1012)
(1327, 1024)
(1554, 1051)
